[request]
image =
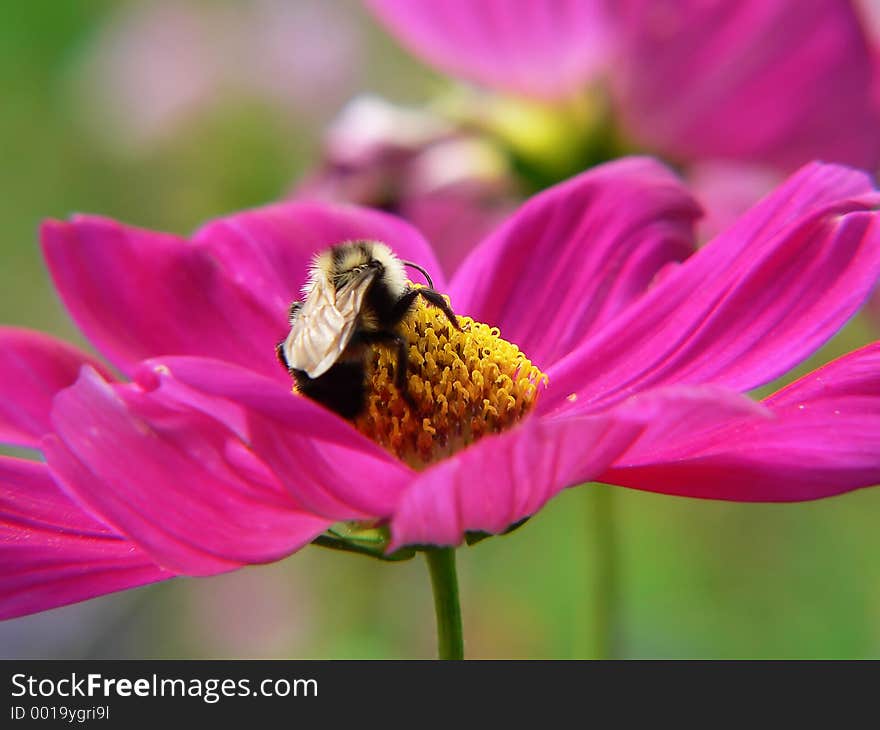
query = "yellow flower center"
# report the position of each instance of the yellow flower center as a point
(463, 385)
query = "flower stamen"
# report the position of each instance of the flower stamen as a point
(462, 385)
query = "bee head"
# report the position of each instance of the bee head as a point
(355, 259)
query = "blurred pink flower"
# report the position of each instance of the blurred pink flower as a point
(726, 189)
(452, 185)
(547, 49)
(777, 82)
(205, 461)
(870, 12)
(156, 65)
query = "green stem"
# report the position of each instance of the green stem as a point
(441, 563)
(605, 570)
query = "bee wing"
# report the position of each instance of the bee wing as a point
(324, 325)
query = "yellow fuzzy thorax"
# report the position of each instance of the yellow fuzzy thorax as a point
(464, 384)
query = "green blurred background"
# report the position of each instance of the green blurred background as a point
(80, 131)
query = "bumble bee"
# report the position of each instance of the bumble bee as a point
(356, 296)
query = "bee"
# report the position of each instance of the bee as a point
(356, 295)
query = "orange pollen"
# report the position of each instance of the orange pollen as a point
(463, 384)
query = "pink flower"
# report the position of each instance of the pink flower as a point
(452, 185)
(155, 66)
(203, 461)
(778, 82)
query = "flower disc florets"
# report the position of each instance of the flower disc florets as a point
(462, 385)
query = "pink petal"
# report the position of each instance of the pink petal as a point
(51, 552)
(137, 294)
(33, 368)
(329, 467)
(576, 255)
(519, 471)
(503, 479)
(778, 82)
(269, 250)
(171, 480)
(543, 48)
(824, 439)
(747, 307)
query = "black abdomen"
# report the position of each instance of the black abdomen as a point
(340, 389)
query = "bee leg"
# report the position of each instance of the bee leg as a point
(279, 348)
(279, 351)
(400, 370)
(435, 298)
(432, 297)
(401, 366)
(402, 305)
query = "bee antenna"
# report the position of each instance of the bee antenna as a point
(419, 268)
